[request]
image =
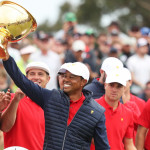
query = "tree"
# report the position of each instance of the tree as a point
(90, 13)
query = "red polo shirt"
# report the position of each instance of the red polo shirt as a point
(144, 120)
(140, 102)
(136, 113)
(29, 128)
(74, 107)
(119, 124)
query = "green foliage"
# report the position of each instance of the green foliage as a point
(90, 12)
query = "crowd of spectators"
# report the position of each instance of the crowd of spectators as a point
(69, 44)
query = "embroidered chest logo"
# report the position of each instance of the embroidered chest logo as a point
(92, 111)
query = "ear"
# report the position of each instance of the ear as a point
(130, 82)
(105, 84)
(84, 82)
(48, 78)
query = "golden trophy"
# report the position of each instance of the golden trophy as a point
(15, 24)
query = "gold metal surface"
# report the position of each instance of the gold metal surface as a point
(15, 24)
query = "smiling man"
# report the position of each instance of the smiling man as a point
(72, 117)
(24, 119)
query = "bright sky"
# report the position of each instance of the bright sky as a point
(44, 9)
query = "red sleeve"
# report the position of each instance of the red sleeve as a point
(144, 118)
(135, 110)
(130, 130)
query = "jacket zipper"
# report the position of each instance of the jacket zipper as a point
(64, 139)
(70, 123)
(66, 128)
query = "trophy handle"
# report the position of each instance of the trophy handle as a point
(4, 36)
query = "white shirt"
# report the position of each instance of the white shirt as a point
(140, 67)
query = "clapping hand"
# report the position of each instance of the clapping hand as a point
(18, 95)
(4, 99)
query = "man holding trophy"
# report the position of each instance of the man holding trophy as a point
(65, 128)
(21, 127)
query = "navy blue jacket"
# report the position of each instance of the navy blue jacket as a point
(88, 122)
(96, 88)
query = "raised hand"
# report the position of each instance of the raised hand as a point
(4, 99)
(18, 95)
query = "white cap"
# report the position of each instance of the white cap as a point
(76, 68)
(116, 75)
(38, 65)
(78, 45)
(27, 50)
(15, 148)
(111, 63)
(127, 74)
(142, 42)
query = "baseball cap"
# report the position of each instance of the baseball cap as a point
(41, 35)
(70, 17)
(15, 148)
(37, 65)
(27, 50)
(89, 32)
(113, 50)
(110, 64)
(117, 75)
(114, 32)
(145, 31)
(142, 42)
(76, 68)
(78, 45)
(127, 74)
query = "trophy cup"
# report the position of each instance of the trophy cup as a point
(15, 24)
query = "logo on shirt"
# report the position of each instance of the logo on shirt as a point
(121, 119)
(92, 111)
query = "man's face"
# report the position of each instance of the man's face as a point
(143, 50)
(38, 76)
(113, 91)
(70, 83)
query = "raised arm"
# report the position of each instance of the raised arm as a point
(8, 117)
(32, 90)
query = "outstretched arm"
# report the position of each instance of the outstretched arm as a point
(32, 90)
(8, 117)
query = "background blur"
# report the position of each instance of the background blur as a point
(96, 13)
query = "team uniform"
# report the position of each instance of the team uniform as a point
(29, 128)
(140, 102)
(96, 88)
(119, 124)
(144, 120)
